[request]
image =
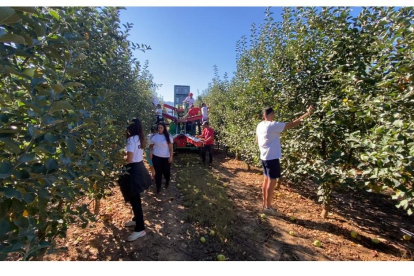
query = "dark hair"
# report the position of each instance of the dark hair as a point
(267, 111)
(153, 129)
(166, 134)
(205, 123)
(136, 129)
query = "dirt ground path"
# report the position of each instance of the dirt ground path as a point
(172, 234)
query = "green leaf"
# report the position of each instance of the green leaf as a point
(4, 118)
(54, 14)
(51, 138)
(12, 20)
(5, 167)
(398, 123)
(48, 120)
(51, 164)
(12, 145)
(41, 149)
(18, 206)
(71, 143)
(21, 174)
(33, 106)
(43, 193)
(81, 56)
(4, 227)
(26, 9)
(29, 197)
(18, 39)
(28, 157)
(40, 30)
(82, 43)
(5, 13)
(21, 221)
(58, 88)
(72, 84)
(36, 81)
(73, 72)
(9, 192)
(61, 105)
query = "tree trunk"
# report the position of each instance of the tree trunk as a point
(328, 188)
(237, 157)
(326, 209)
(97, 206)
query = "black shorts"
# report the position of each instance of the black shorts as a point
(271, 168)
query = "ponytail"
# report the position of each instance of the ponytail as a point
(136, 129)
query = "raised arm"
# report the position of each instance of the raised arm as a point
(298, 120)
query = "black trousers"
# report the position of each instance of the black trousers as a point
(208, 148)
(162, 167)
(138, 216)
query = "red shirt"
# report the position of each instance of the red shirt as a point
(193, 111)
(207, 133)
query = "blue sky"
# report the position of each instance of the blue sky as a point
(187, 42)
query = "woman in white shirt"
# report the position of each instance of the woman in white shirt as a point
(161, 153)
(139, 178)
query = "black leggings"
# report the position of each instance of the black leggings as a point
(138, 216)
(162, 167)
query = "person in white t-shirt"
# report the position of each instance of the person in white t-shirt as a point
(268, 138)
(139, 178)
(158, 114)
(204, 110)
(161, 153)
(189, 99)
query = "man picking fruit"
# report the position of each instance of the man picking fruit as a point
(268, 138)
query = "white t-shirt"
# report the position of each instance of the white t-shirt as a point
(134, 146)
(204, 112)
(160, 145)
(189, 100)
(268, 136)
(159, 112)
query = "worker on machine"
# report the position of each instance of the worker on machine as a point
(193, 111)
(189, 100)
(158, 114)
(204, 110)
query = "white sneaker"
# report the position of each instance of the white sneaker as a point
(130, 223)
(136, 235)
